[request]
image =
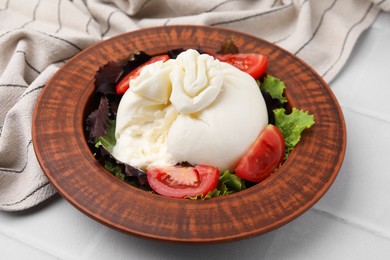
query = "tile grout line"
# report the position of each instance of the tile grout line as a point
(94, 243)
(366, 112)
(353, 224)
(30, 245)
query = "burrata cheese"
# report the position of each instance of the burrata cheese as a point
(192, 108)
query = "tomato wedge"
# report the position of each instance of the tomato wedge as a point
(123, 84)
(181, 182)
(263, 157)
(251, 63)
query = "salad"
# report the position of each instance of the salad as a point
(189, 124)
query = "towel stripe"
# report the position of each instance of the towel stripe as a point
(59, 16)
(10, 31)
(58, 38)
(252, 16)
(34, 14)
(290, 34)
(28, 195)
(12, 86)
(282, 39)
(144, 4)
(167, 21)
(24, 166)
(49, 35)
(29, 92)
(380, 2)
(347, 37)
(274, 3)
(108, 22)
(87, 25)
(91, 18)
(28, 63)
(220, 4)
(318, 26)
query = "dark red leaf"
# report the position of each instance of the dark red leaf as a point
(132, 174)
(97, 121)
(228, 47)
(106, 78)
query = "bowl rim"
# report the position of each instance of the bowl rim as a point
(76, 126)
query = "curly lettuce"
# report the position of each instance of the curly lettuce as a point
(108, 140)
(292, 125)
(228, 183)
(275, 87)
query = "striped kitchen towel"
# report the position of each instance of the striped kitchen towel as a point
(38, 36)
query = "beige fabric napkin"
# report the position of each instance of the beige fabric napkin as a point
(38, 36)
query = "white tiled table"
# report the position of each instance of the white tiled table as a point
(352, 221)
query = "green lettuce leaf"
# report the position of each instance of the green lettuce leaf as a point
(108, 140)
(291, 125)
(115, 170)
(232, 182)
(275, 87)
(228, 183)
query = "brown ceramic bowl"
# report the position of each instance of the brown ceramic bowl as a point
(62, 150)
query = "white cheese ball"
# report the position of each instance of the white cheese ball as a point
(220, 134)
(193, 109)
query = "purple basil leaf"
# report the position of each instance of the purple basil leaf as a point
(97, 121)
(131, 173)
(114, 101)
(135, 60)
(107, 76)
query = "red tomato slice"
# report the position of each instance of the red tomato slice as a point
(123, 84)
(251, 63)
(181, 182)
(263, 157)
